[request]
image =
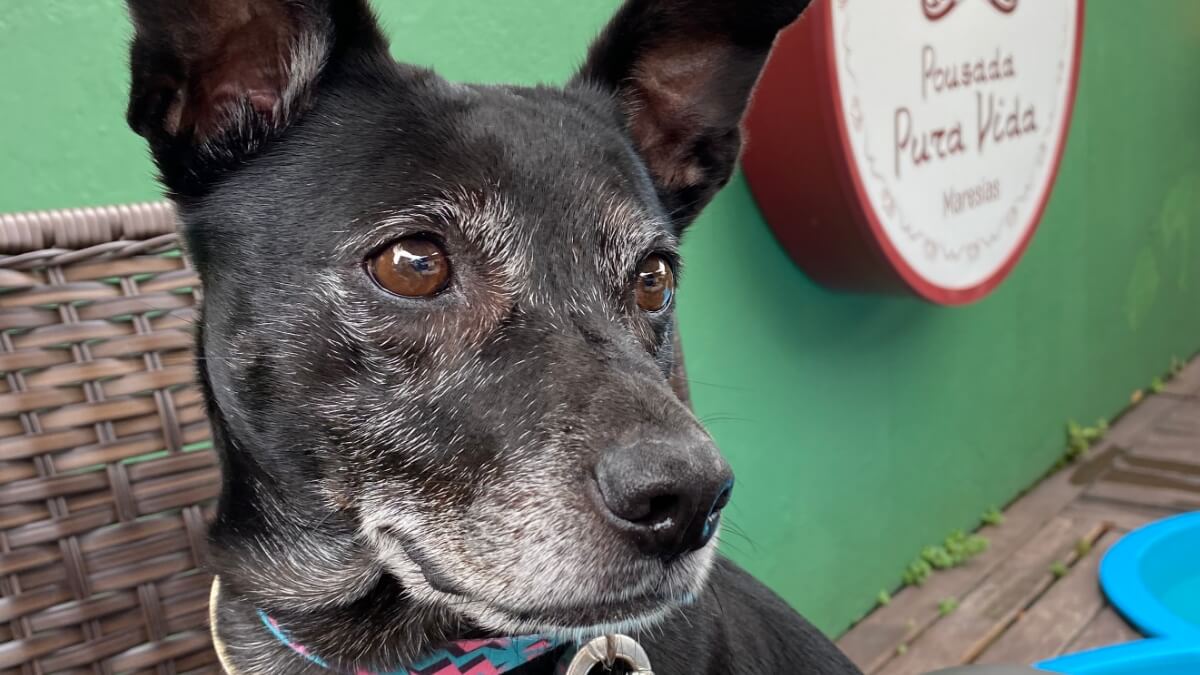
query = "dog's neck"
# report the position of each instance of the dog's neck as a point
(285, 550)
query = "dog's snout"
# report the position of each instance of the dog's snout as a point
(667, 497)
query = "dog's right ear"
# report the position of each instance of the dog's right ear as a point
(212, 80)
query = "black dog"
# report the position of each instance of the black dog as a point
(437, 335)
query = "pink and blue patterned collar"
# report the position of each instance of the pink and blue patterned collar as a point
(462, 657)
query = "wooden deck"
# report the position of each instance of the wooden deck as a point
(1011, 607)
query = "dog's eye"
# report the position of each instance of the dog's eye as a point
(414, 267)
(655, 284)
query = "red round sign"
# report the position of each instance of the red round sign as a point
(911, 145)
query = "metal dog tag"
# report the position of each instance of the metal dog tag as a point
(609, 650)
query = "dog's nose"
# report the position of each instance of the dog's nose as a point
(668, 497)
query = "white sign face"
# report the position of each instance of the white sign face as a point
(955, 112)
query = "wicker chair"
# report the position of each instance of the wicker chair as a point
(107, 476)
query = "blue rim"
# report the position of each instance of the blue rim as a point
(1123, 581)
(1144, 656)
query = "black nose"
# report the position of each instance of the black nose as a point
(668, 497)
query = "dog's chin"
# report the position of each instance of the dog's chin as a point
(639, 604)
(582, 627)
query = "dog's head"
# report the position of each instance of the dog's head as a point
(439, 316)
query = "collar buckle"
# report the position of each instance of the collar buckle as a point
(608, 650)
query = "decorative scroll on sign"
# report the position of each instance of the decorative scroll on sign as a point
(911, 145)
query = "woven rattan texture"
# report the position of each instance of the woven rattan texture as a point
(106, 474)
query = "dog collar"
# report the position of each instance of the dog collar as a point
(461, 657)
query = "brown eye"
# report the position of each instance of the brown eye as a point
(655, 284)
(415, 267)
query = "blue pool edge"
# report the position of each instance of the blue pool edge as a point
(1121, 579)
(1163, 655)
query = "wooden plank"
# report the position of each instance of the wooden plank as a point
(1045, 629)
(1149, 488)
(990, 607)
(1182, 422)
(1184, 452)
(1118, 516)
(874, 640)
(1106, 628)
(1173, 473)
(1136, 421)
(1187, 382)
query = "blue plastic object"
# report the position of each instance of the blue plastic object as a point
(1157, 656)
(1152, 576)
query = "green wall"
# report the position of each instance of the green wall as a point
(861, 427)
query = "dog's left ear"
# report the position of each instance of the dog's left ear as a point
(683, 72)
